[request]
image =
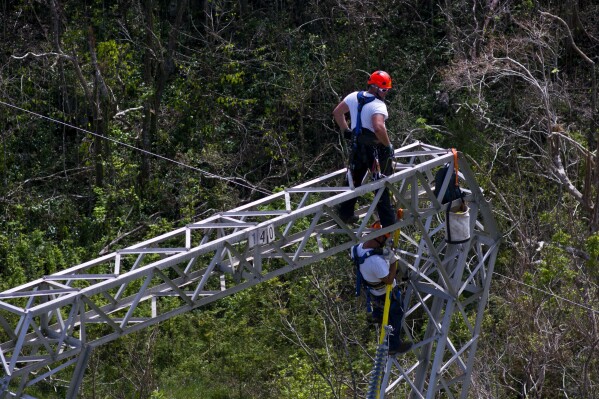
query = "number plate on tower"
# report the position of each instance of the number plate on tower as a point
(263, 235)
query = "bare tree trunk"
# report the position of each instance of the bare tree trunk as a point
(97, 113)
(592, 135)
(450, 26)
(158, 67)
(243, 8)
(95, 98)
(146, 133)
(63, 89)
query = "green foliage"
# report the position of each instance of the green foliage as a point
(157, 394)
(525, 6)
(28, 257)
(592, 247)
(248, 96)
(206, 360)
(297, 380)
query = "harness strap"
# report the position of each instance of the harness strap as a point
(376, 166)
(362, 101)
(455, 165)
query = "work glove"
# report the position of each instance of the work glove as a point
(393, 257)
(348, 134)
(390, 150)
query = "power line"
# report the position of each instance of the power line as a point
(549, 293)
(206, 173)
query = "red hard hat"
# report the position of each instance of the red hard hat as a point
(380, 79)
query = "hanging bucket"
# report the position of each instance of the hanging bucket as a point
(457, 224)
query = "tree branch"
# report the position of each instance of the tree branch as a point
(565, 25)
(41, 55)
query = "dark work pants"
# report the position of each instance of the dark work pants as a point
(361, 161)
(395, 315)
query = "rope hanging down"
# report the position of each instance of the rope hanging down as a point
(396, 235)
(383, 347)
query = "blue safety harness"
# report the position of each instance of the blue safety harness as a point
(362, 101)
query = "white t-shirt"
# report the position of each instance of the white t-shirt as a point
(374, 107)
(374, 269)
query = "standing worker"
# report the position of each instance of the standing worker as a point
(375, 271)
(370, 141)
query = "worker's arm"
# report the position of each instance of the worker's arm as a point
(380, 130)
(391, 276)
(339, 114)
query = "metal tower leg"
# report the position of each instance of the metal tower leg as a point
(77, 377)
(427, 350)
(4, 386)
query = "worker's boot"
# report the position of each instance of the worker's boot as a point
(348, 219)
(403, 347)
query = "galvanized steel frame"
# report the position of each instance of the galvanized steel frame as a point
(49, 325)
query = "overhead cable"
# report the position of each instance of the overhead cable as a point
(549, 293)
(206, 173)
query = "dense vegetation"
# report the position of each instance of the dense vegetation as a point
(235, 97)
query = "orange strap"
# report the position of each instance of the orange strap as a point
(455, 164)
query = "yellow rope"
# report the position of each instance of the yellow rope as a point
(396, 234)
(385, 313)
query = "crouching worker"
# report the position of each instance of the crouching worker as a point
(374, 272)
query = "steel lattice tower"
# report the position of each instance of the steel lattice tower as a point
(50, 325)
